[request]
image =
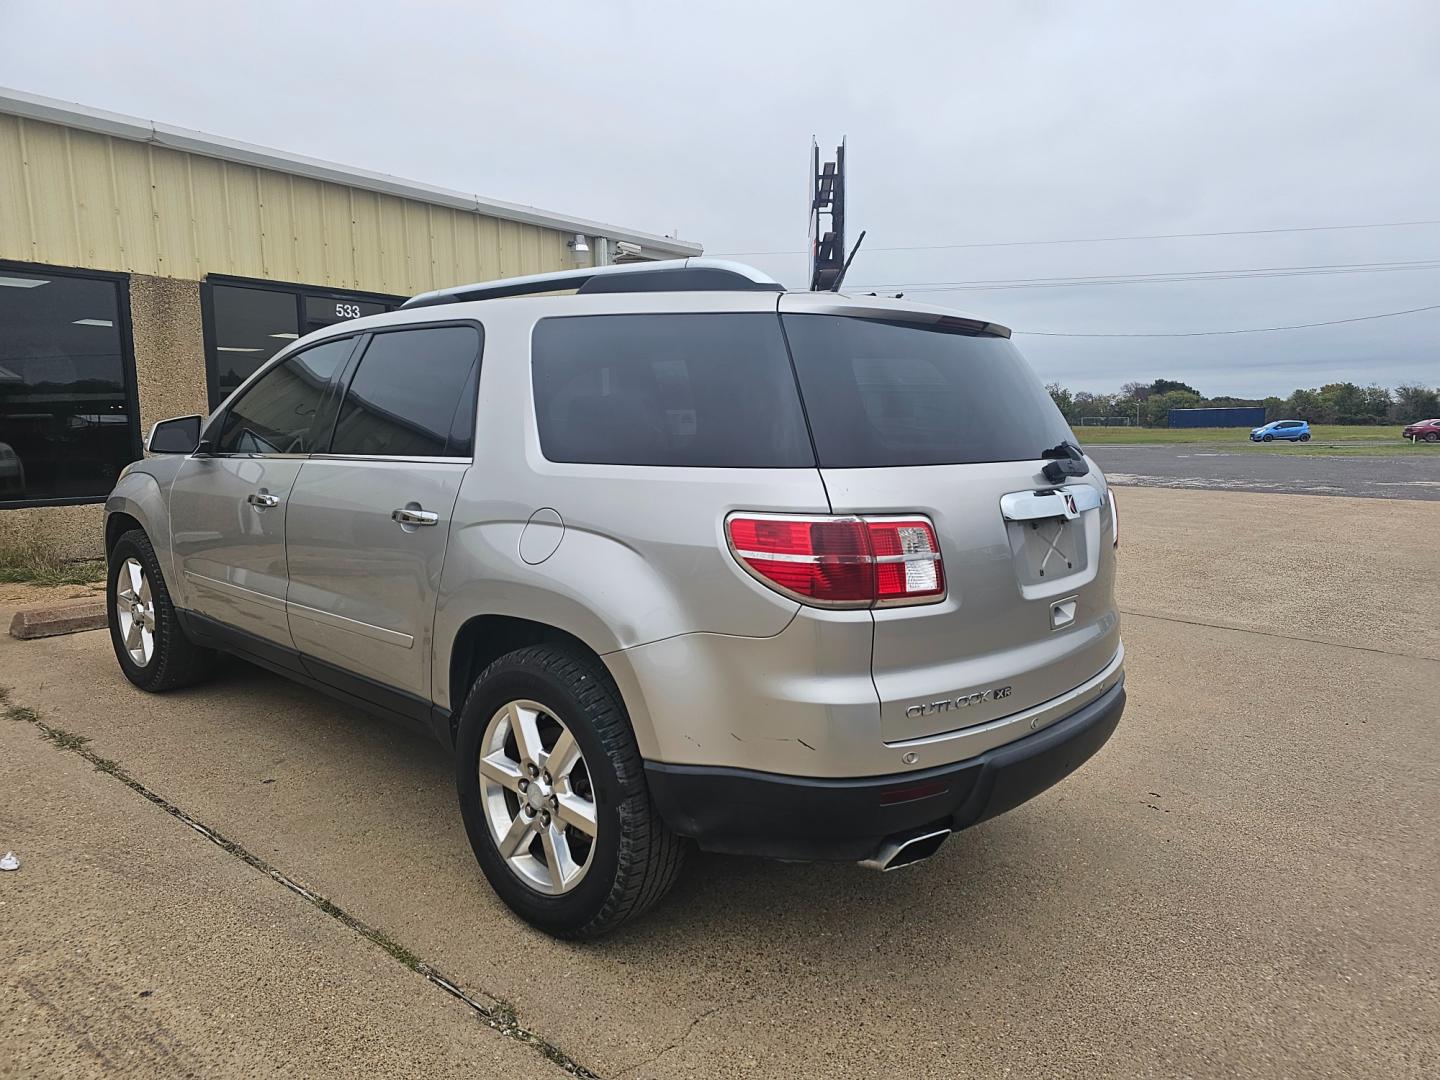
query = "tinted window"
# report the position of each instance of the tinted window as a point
(66, 429)
(413, 395)
(250, 326)
(881, 393)
(279, 413)
(698, 390)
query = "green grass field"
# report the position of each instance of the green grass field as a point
(1326, 439)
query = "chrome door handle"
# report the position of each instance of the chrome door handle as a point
(262, 499)
(414, 517)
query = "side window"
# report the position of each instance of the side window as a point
(697, 390)
(277, 415)
(413, 395)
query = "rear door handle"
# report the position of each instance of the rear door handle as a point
(414, 517)
(262, 499)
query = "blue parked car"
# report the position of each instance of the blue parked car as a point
(1294, 430)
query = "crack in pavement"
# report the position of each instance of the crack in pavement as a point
(500, 1017)
(696, 1022)
(1282, 637)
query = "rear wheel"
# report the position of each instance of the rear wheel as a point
(153, 651)
(1304, 438)
(1431, 436)
(552, 790)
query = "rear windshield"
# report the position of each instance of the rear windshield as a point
(886, 393)
(711, 390)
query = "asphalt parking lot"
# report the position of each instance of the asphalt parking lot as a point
(1244, 883)
(1206, 467)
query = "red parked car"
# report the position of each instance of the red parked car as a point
(1429, 430)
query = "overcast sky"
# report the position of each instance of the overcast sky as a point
(966, 123)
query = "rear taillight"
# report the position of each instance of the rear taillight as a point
(1115, 516)
(841, 561)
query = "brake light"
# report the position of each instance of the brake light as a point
(841, 561)
(1115, 516)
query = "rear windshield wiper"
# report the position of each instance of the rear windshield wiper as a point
(1068, 461)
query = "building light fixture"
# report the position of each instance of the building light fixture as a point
(579, 244)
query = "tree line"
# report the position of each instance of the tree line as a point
(1333, 403)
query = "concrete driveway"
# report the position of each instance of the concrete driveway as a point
(1245, 882)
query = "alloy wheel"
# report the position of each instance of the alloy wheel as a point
(536, 792)
(135, 612)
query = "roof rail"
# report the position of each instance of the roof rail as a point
(696, 274)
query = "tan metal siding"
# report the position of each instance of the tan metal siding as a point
(74, 198)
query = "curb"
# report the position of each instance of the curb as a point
(62, 619)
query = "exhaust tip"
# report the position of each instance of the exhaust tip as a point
(894, 854)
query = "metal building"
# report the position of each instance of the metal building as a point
(145, 270)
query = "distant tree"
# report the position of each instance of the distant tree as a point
(1377, 403)
(1165, 386)
(1413, 402)
(1064, 400)
(1305, 405)
(1274, 408)
(1342, 403)
(1135, 391)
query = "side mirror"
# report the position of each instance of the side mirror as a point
(178, 436)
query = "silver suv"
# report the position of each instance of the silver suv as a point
(677, 557)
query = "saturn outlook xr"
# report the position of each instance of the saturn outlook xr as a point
(666, 555)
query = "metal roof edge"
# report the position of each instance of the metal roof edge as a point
(69, 114)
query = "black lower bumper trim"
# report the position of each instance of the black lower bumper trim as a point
(791, 817)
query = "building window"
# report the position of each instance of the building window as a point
(67, 421)
(247, 323)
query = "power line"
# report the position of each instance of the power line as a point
(1214, 333)
(1107, 239)
(1160, 278)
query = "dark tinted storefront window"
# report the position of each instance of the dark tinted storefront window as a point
(413, 395)
(66, 429)
(250, 324)
(706, 390)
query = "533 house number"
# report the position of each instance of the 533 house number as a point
(347, 311)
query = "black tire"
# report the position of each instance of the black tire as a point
(1267, 438)
(636, 857)
(1430, 436)
(176, 661)
(1304, 438)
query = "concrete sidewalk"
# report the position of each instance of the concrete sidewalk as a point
(132, 946)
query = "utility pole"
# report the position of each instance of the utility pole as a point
(827, 218)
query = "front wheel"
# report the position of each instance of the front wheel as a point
(153, 651)
(1267, 438)
(553, 794)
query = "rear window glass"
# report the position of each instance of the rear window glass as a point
(886, 393)
(708, 390)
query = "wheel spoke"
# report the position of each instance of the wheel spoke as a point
(524, 724)
(517, 837)
(499, 768)
(562, 756)
(579, 812)
(147, 644)
(133, 639)
(563, 868)
(137, 579)
(145, 591)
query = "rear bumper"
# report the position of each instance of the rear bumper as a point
(786, 817)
